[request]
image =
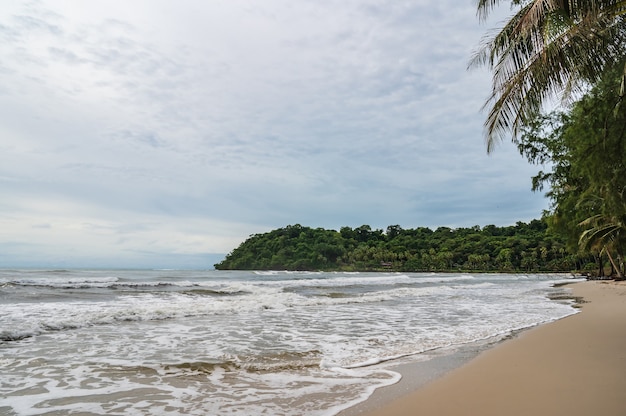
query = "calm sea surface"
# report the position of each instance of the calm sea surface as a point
(164, 342)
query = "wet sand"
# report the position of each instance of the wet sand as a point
(575, 366)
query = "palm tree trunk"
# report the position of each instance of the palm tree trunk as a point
(619, 272)
(600, 265)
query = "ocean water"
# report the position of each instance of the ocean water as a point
(167, 342)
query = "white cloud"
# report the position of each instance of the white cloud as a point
(183, 127)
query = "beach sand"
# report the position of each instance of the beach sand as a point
(574, 366)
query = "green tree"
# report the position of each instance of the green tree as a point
(503, 259)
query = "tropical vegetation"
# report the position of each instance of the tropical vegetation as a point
(586, 149)
(574, 51)
(522, 247)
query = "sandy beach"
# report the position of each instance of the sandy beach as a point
(574, 366)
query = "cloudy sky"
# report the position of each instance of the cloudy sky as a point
(160, 133)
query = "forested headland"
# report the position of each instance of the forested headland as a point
(521, 247)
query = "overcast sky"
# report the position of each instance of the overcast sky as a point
(153, 133)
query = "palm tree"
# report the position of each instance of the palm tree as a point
(606, 234)
(549, 48)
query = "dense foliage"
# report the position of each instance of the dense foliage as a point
(586, 151)
(566, 49)
(522, 247)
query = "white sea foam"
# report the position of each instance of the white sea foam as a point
(240, 342)
(63, 282)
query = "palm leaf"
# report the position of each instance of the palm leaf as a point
(548, 48)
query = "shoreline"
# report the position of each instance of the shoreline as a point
(417, 373)
(573, 366)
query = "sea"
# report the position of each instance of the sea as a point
(180, 342)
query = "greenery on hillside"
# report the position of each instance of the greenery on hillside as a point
(522, 247)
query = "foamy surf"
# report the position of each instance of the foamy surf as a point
(242, 343)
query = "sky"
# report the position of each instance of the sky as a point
(162, 134)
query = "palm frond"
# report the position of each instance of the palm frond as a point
(548, 48)
(602, 230)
